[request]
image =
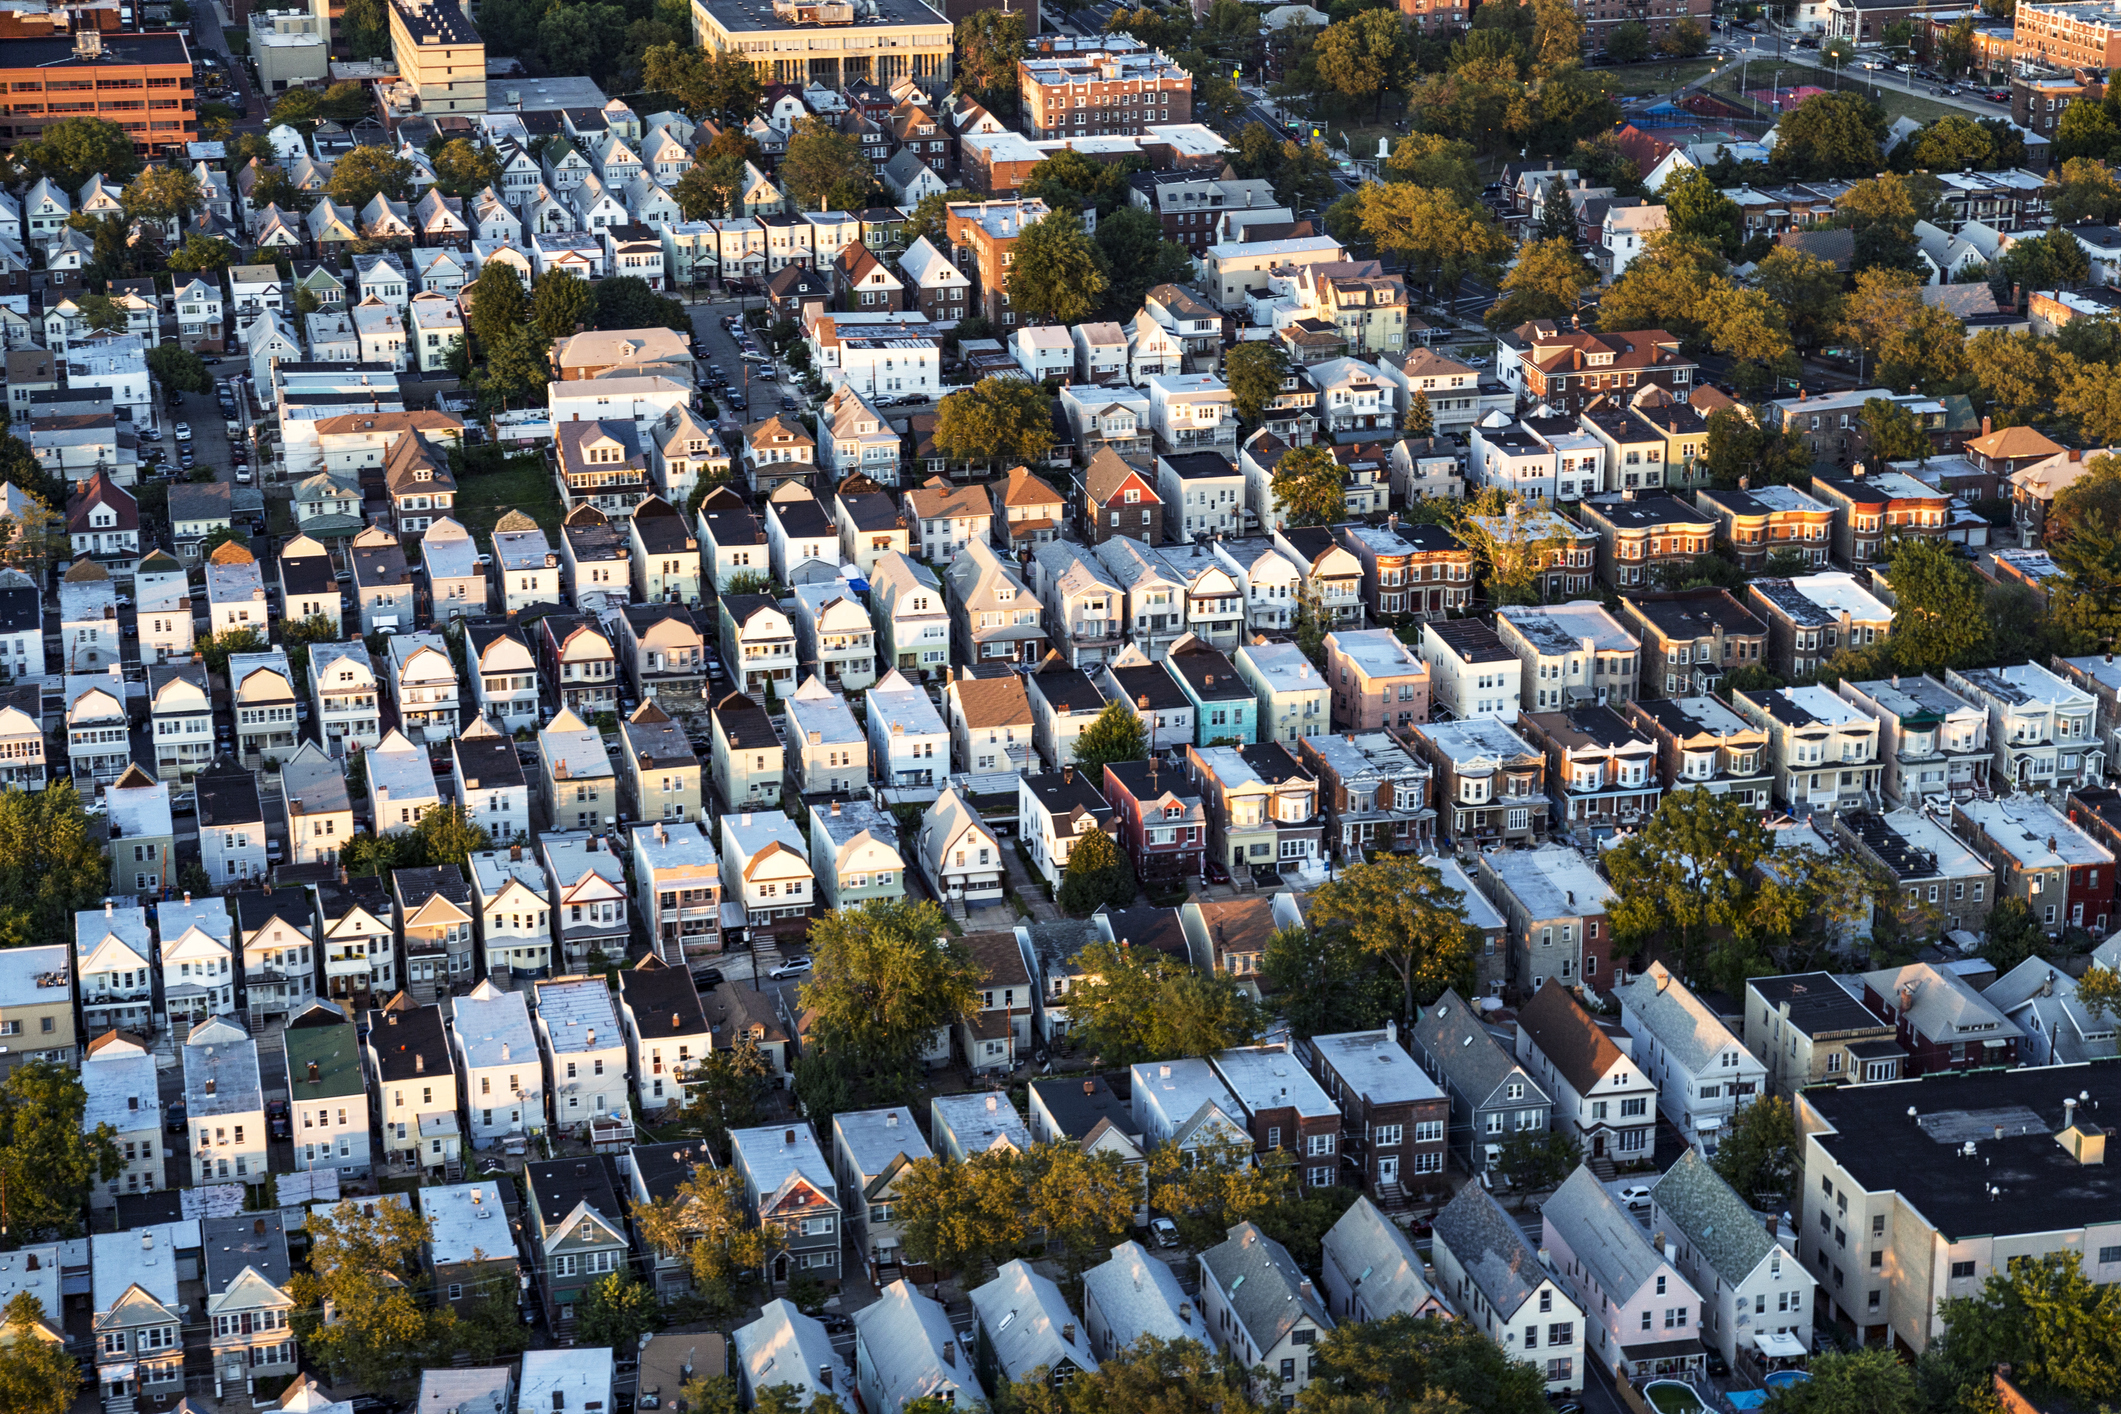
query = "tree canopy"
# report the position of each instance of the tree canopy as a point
(1000, 419)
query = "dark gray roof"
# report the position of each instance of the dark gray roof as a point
(246, 1240)
(1473, 1062)
(1266, 1290)
(1491, 1248)
(1729, 1235)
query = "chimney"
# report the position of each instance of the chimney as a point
(419, 1063)
(950, 1353)
(1907, 996)
(504, 1050)
(1068, 1331)
(1068, 775)
(824, 1376)
(788, 1138)
(107, 906)
(1392, 1031)
(313, 1073)
(515, 854)
(1985, 424)
(2076, 454)
(891, 1119)
(2069, 1111)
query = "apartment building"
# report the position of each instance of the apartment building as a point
(1932, 741)
(2040, 726)
(1812, 617)
(1691, 638)
(1570, 654)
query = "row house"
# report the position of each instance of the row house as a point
(1939, 1020)
(1870, 509)
(1394, 1118)
(1423, 571)
(1490, 782)
(1937, 880)
(1555, 906)
(2063, 874)
(1643, 540)
(1570, 654)
(1567, 368)
(1691, 638)
(1703, 745)
(1812, 617)
(1163, 822)
(1772, 520)
(2041, 727)
(1823, 751)
(1263, 807)
(1601, 767)
(1934, 743)
(1376, 680)
(1375, 793)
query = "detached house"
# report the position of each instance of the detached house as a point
(1486, 1268)
(788, 1185)
(1600, 1095)
(1704, 1073)
(1647, 1316)
(1262, 1311)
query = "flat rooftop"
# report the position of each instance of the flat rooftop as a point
(759, 16)
(1907, 1136)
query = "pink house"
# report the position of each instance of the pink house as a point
(1377, 681)
(1644, 1317)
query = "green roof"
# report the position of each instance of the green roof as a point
(336, 1053)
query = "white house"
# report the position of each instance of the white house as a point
(1759, 1295)
(500, 1067)
(1704, 1073)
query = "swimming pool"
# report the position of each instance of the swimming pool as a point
(1673, 1397)
(1782, 1379)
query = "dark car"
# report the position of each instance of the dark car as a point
(1217, 873)
(787, 404)
(175, 1117)
(276, 1119)
(707, 977)
(1717, 1364)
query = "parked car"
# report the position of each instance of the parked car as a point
(793, 967)
(175, 1117)
(184, 432)
(276, 1119)
(1636, 1195)
(707, 977)
(1164, 1231)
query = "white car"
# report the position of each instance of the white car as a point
(1636, 1195)
(184, 432)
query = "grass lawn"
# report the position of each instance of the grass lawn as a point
(1896, 102)
(526, 486)
(1654, 80)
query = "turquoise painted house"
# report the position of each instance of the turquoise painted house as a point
(1225, 709)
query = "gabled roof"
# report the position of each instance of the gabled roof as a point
(1717, 1223)
(1266, 1291)
(1566, 1034)
(1491, 1248)
(1603, 1238)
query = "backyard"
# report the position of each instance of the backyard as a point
(523, 483)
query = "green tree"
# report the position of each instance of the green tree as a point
(51, 863)
(366, 28)
(1874, 1380)
(48, 1161)
(1151, 1376)
(2014, 935)
(628, 302)
(488, 1329)
(1137, 1004)
(1055, 276)
(1895, 433)
(498, 305)
(464, 168)
(1399, 911)
(37, 1376)
(1808, 291)
(1310, 487)
(1253, 370)
(727, 1090)
(711, 189)
(516, 369)
(930, 220)
(1097, 874)
(448, 836)
(1218, 1184)
(1420, 420)
(2090, 133)
(560, 304)
(958, 1215)
(1830, 135)
(201, 252)
(888, 974)
(2099, 989)
(1628, 42)
(1440, 235)
(1952, 143)
(72, 150)
(703, 83)
(1760, 1157)
(2059, 1331)
(1433, 161)
(617, 1311)
(1084, 1203)
(1738, 447)
(163, 194)
(1409, 1361)
(102, 313)
(2088, 190)
(1686, 874)
(1547, 282)
(705, 1219)
(1939, 620)
(1118, 734)
(1364, 57)
(1001, 418)
(1539, 1159)
(1324, 982)
(178, 369)
(366, 1266)
(358, 176)
(2051, 261)
(989, 43)
(1695, 206)
(824, 169)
